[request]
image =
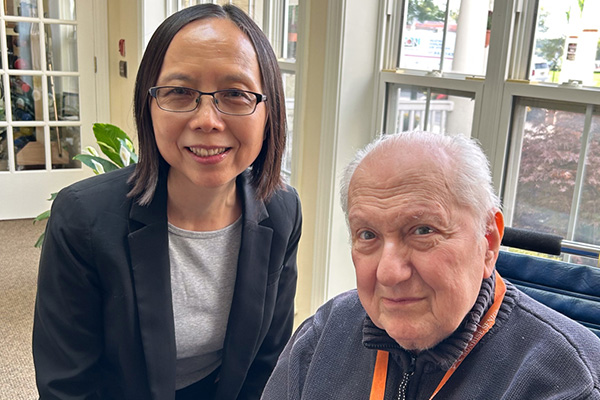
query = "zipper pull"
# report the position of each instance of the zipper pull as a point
(405, 378)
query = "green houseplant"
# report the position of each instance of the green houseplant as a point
(115, 144)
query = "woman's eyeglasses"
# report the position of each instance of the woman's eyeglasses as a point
(228, 101)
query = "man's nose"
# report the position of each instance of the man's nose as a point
(394, 265)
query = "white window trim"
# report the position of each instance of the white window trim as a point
(101, 60)
(298, 68)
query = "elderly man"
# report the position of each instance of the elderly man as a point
(430, 316)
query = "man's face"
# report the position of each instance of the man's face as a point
(419, 256)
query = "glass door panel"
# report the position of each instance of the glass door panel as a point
(61, 47)
(42, 123)
(63, 98)
(60, 9)
(22, 8)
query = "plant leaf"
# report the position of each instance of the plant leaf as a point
(91, 151)
(88, 160)
(40, 240)
(107, 137)
(42, 216)
(98, 168)
(125, 155)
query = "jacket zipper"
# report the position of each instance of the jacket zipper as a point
(405, 378)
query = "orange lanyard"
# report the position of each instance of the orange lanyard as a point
(489, 319)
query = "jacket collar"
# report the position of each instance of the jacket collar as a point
(149, 252)
(245, 325)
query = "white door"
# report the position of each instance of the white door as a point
(47, 100)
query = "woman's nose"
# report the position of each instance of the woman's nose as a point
(206, 116)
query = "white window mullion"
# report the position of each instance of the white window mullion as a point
(285, 28)
(524, 31)
(390, 22)
(487, 123)
(287, 67)
(579, 178)
(509, 189)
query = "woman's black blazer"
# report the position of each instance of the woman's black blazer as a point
(103, 325)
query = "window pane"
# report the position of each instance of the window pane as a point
(289, 86)
(464, 39)
(60, 9)
(292, 31)
(29, 148)
(587, 229)
(3, 149)
(23, 8)
(63, 91)
(23, 45)
(436, 110)
(2, 102)
(566, 42)
(61, 43)
(65, 143)
(26, 99)
(547, 174)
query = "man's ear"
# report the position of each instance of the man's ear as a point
(494, 234)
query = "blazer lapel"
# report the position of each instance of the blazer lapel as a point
(246, 315)
(148, 243)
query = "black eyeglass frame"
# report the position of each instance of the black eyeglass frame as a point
(260, 98)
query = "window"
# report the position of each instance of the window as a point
(556, 178)
(438, 40)
(566, 43)
(520, 76)
(445, 35)
(426, 108)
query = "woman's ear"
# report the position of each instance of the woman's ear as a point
(494, 234)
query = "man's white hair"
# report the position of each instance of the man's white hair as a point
(470, 167)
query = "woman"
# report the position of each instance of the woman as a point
(175, 278)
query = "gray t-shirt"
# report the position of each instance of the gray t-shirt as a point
(203, 272)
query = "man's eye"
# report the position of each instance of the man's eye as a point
(366, 235)
(423, 230)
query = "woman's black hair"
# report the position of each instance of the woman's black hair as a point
(265, 170)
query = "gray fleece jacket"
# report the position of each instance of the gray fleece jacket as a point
(532, 352)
